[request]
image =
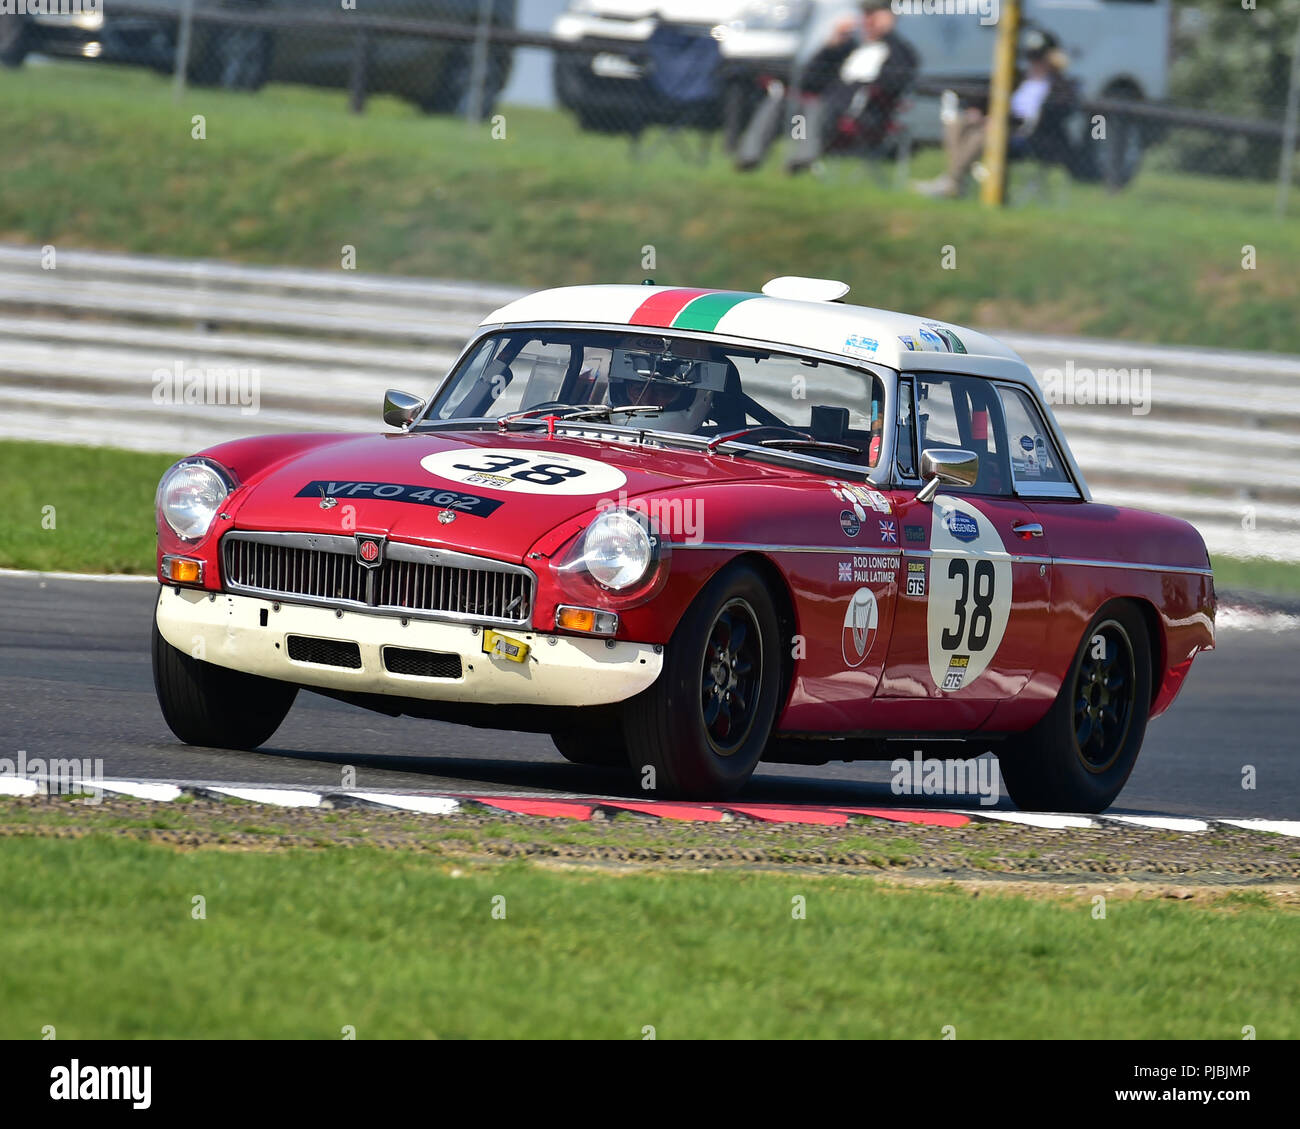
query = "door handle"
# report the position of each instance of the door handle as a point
(1027, 529)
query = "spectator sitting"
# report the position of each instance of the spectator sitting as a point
(861, 73)
(1044, 85)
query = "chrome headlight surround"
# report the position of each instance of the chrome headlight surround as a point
(617, 549)
(190, 495)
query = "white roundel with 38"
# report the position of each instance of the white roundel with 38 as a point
(970, 593)
(518, 470)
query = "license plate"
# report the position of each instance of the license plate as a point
(494, 643)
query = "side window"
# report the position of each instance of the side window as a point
(1034, 456)
(965, 412)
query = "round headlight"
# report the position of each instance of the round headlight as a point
(189, 497)
(617, 549)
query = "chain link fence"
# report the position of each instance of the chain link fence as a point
(1203, 88)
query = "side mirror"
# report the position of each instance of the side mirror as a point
(401, 408)
(944, 466)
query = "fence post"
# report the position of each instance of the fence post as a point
(993, 191)
(184, 34)
(360, 76)
(478, 73)
(1289, 127)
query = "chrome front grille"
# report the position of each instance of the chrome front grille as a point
(410, 580)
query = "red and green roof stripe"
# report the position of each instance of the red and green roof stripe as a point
(688, 309)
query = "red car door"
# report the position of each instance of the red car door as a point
(975, 579)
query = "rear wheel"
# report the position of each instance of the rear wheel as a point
(1079, 756)
(700, 730)
(210, 705)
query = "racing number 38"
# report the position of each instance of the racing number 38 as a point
(973, 606)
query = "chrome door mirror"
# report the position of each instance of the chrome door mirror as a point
(401, 408)
(945, 466)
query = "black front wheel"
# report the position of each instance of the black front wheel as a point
(211, 705)
(1079, 756)
(700, 730)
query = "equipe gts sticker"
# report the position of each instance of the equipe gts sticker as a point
(970, 593)
(470, 504)
(916, 578)
(517, 471)
(860, 620)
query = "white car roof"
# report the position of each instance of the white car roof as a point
(859, 333)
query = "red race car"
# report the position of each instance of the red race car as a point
(686, 531)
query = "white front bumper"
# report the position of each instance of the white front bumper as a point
(560, 670)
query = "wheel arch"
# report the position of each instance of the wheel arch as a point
(787, 616)
(1155, 635)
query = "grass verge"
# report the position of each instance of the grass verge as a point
(103, 516)
(102, 941)
(102, 157)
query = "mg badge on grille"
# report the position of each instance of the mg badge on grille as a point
(370, 550)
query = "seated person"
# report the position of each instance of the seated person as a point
(1044, 87)
(859, 76)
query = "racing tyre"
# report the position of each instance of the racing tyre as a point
(13, 40)
(210, 705)
(591, 747)
(703, 725)
(1081, 753)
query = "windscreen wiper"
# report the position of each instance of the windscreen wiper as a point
(568, 413)
(817, 444)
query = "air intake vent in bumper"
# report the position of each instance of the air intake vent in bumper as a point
(422, 664)
(324, 652)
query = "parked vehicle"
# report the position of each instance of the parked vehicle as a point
(435, 74)
(685, 531)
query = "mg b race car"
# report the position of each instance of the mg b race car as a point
(686, 531)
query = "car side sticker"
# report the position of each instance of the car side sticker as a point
(518, 471)
(970, 593)
(399, 492)
(860, 621)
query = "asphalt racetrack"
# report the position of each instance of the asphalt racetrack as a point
(75, 681)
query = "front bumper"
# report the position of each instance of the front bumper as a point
(142, 41)
(560, 670)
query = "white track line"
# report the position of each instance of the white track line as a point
(1050, 820)
(280, 797)
(18, 786)
(1276, 826)
(1161, 822)
(426, 805)
(140, 790)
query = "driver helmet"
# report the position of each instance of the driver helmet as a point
(664, 383)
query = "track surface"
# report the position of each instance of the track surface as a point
(75, 681)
